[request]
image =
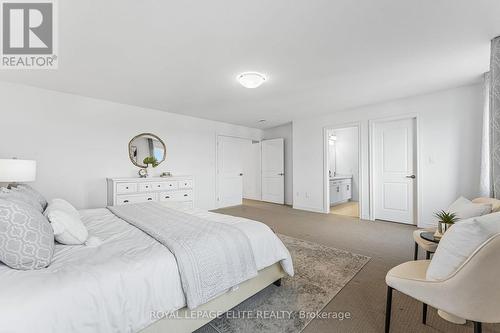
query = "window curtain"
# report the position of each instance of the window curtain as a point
(485, 184)
(495, 117)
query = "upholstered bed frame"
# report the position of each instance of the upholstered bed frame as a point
(180, 324)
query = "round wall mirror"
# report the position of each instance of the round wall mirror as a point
(146, 145)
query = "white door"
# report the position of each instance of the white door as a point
(252, 172)
(273, 171)
(230, 170)
(394, 170)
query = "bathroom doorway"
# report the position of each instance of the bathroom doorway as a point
(343, 170)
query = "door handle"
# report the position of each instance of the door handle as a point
(412, 177)
(281, 174)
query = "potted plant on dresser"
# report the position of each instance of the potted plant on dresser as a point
(151, 163)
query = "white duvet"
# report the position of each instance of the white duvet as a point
(112, 287)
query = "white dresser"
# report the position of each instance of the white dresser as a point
(175, 191)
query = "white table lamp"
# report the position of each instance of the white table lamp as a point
(15, 171)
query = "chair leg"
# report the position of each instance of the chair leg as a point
(415, 255)
(427, 255)
(477, 327)
(424, 313)
(388, 310)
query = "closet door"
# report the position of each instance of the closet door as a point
(273, 171)
(230, 170)
(394, 166)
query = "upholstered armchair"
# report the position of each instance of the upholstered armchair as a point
(471, 292)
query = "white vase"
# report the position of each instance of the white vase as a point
(149, 170)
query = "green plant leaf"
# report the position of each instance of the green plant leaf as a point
(446, 217)
(151, 160)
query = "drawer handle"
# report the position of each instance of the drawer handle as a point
(170, 185)
(185, 195)
(125, 201)
(126, 187)
(150, 199)
(158, 185)
(167, 197)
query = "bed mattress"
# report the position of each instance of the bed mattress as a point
(113, 286)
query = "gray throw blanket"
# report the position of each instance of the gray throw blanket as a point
(212, 257)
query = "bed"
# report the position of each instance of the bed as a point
(123, 280)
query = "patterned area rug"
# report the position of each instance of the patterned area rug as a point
(320, 273)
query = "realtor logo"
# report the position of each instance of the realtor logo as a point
(28, 35)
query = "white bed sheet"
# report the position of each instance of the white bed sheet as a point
(112, 287)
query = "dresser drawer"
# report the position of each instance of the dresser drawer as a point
(188, 183)
(176, 196)
(158, 186)
(170, 185)
(145, 187)
(138, 198)
(124, 188)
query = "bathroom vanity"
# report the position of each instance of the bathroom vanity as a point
(340, 189)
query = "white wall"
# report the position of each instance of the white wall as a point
(286, 132)
(252, 171)
(449, 129)
(347, 155)
(79, 141)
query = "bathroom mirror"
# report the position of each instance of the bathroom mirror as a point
(146, 145)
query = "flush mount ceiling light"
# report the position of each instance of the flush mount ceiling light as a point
(251, 80)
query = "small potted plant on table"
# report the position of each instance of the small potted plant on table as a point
(151, 162)
(446, 220)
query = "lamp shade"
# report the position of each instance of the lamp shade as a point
(14, 170)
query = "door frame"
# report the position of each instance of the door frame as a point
(217, 135)
(417, 211)
(326, 176)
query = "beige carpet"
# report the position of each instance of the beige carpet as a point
(388, 244)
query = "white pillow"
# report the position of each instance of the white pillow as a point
(464, 208)
(495, 203)
(66, 222)
(61, 204)
(459, 243)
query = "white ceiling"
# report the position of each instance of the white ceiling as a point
(320, 55)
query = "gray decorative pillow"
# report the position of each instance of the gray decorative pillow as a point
(20, 196)
(26, 237)
(33, 193)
